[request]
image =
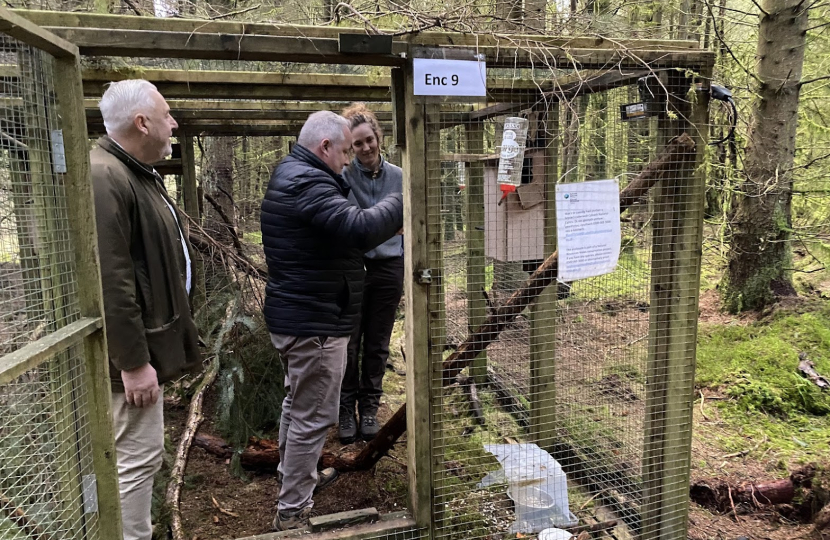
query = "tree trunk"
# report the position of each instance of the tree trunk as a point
(508, 14)
(536, 14)
(760, 255)
(220, 219)
(328, 10)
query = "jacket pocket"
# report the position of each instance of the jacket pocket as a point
(344, 297)
(143, 288)
(167, 349)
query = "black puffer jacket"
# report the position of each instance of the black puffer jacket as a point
(314, 239)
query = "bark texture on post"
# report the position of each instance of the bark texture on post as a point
(760, 254)
(220, 218)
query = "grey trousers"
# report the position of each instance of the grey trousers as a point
(313, 372)
(139, 446)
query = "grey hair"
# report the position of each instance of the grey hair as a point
(322, 125)
(122, 101)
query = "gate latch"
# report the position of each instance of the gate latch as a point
(425, 276)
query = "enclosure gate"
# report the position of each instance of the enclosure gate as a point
(597, 373)
(57, 460)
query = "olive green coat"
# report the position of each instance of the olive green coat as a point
(143, 269)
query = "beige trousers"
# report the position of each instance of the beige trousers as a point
(139, 444)
(313, 374)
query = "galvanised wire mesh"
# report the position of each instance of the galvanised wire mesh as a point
(45, 453)
(593, 375)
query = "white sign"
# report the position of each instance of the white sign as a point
(449, 77)
(588, 228)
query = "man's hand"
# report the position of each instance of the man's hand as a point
(141, 386)
(400, 232)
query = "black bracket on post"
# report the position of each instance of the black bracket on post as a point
(398, 108)
(364, 44)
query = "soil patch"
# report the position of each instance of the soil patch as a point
(212, 493)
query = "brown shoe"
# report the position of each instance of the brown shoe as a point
(285, 521)
(324, 478)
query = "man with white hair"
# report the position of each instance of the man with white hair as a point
(314, 240)
(146, 276)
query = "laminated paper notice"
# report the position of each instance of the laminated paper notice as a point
(588, 228)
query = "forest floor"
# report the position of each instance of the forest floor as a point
(763, 431)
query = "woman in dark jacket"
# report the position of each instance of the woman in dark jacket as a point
(371, 178)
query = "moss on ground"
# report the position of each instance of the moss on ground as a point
(755, 366)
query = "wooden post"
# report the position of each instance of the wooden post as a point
(543, 312)
(416, 259)
(85, 246)
(189, 188)
(677, 235)
(476, 261)
(192, 208)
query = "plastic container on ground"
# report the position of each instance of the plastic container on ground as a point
(536, 484)
(554, 534)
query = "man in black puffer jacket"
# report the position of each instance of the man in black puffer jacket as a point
(314, 240)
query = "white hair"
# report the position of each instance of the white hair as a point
(122, 101)
(322, 125)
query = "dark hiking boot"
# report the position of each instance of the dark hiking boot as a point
(286, 521)
(347, 427)
(368, 426)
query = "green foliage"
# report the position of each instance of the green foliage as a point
(250, 385)
(757, 396)
(757, 364)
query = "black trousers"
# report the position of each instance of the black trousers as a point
(363, 380)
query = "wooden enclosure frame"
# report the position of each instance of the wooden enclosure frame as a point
(670, 355)
(89, 330)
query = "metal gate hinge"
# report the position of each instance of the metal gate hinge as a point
(425, 276)
(90, 487)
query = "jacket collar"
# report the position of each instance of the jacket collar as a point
(305, 155)
(366, 170)
(139, 167)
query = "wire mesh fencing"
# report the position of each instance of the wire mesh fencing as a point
(47, 485)
(576, 410)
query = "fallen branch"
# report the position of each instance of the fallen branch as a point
(596, 527)
(722, 497)
(680, 149)
(476, 411)
(264, 454)
(507, 400)
(194, 420)
(822, 519)
(808, 369)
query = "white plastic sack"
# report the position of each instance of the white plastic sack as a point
(536, 484)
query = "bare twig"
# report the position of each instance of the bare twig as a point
(232, 13)
(194, 420)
